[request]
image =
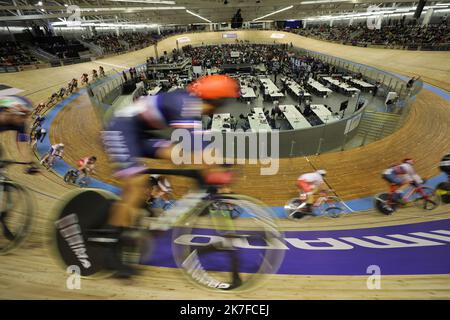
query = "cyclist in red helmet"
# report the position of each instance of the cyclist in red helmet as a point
(14, 112)
(400, 176)
(129, 137)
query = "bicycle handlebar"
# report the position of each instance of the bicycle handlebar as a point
(190, 173)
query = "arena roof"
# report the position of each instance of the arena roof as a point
(182, 12)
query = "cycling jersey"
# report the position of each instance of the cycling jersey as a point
(310, 181)
(401, 174)
(313, 178)
(129, 134)
(56, 150)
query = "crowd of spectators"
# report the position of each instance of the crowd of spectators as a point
(175, 57)
(108, 42)
(112, 43)
(394, 34)
(15, 54)
(238, 53)
(60, 47)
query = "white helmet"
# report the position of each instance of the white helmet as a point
(321, 172)
(61, 145)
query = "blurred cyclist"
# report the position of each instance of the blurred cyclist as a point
(87, 166)
(38, 136)
(400, 176)
(40, 107)
(14, 111)
(128, 137)
(56, 150)
(310, 184)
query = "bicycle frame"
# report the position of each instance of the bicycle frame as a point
(406, 197)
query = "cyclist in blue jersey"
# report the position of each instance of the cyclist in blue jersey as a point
(128, 138)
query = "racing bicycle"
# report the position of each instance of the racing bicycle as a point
(419, 195)
(16, 210)
(50, 161)
(74, 176)
(325, 205)
(213, 251)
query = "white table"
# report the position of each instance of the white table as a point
(344, 86)
(295, 87)
(362, 84)
(318, 86)
(324, 114)
(154, 91)
(219, 120)
(295, 118)
(258, 121)
(274, 92)
(247, 92)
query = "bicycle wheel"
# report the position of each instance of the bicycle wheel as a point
(291, 207)
(68, 176)
(334, 208)
(428, 202)
(381, 204)
(16, 215)
(224, 208)
(334, 212)
(217, 252)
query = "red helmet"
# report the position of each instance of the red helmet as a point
(409, 161)
(215, 87)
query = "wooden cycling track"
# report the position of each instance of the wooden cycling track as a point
(30, 272)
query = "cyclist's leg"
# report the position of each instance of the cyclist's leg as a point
(124, 146)
(309, 191)
(46, 156)
(395, 183)
(134, 186)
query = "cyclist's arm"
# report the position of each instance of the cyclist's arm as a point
(413, 176)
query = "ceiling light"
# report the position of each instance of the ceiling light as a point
(198, 16)
(275, 12)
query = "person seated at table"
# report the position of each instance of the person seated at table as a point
(271, 121)
(272, 112)
(307, 111)
(242, 123)
(233, 122)
(266, 93)
(206, 122)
